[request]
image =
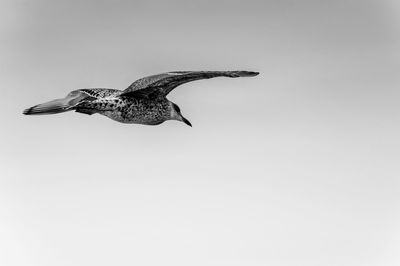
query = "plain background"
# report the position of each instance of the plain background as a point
(298, 166)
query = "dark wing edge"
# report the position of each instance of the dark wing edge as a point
(164, 83)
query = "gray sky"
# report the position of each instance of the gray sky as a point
(298, 166)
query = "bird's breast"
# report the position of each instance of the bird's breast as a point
(140, 111)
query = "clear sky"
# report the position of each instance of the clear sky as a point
(297, 166)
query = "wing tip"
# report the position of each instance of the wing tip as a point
(248, 73)
(27, 111)
(237, 74)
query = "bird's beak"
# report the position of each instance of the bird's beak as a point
(186, 121)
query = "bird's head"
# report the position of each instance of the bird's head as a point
(176, 114)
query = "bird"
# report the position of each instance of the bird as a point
(143, 102)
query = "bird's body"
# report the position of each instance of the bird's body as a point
(144, 102)
(129, 109)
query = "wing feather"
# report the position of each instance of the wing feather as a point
(162, 84)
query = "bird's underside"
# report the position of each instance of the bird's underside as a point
(143, 102)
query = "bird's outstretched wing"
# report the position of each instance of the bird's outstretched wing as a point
(162, 84)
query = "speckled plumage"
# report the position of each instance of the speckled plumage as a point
(143, 102)
(128, 109)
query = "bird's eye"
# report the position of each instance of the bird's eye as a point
(177, 108)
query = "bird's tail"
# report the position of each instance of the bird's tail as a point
(56, 106)
(52, 107)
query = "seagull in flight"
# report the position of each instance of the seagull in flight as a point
(143, 102)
